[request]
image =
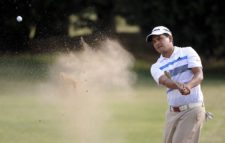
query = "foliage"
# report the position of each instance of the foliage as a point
(197, 23)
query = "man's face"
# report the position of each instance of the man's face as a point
(162, 43)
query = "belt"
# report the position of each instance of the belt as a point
(186, 107)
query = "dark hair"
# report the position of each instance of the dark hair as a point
(166, 34)
(150, 38)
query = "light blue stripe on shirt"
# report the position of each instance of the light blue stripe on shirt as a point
(176, 71)
(172, 62)
(179, 70)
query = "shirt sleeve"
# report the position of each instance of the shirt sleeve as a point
(156, 73)
(193, 58)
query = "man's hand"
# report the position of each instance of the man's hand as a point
(183, 88)
(168, 82)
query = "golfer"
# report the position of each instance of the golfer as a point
(186, 113)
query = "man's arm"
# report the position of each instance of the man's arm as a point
(168, 82)
(197, 78)
(184, 88)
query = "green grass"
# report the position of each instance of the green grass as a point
(24, 119)
(139, 118)
(29, 116)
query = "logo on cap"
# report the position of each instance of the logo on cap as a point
(158, 31)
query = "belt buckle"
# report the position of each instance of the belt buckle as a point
(179, 109)
(183, 108)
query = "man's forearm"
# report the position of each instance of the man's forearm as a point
(168, 82)
(174, 85)
(197, 78)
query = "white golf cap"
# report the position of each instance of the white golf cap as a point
(158, 31)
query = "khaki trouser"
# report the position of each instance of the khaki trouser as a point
(184, 127)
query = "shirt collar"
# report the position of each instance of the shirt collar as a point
(173, 54)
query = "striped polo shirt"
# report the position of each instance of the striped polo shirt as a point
(179, 66)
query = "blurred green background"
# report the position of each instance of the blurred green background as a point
(29, 48)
